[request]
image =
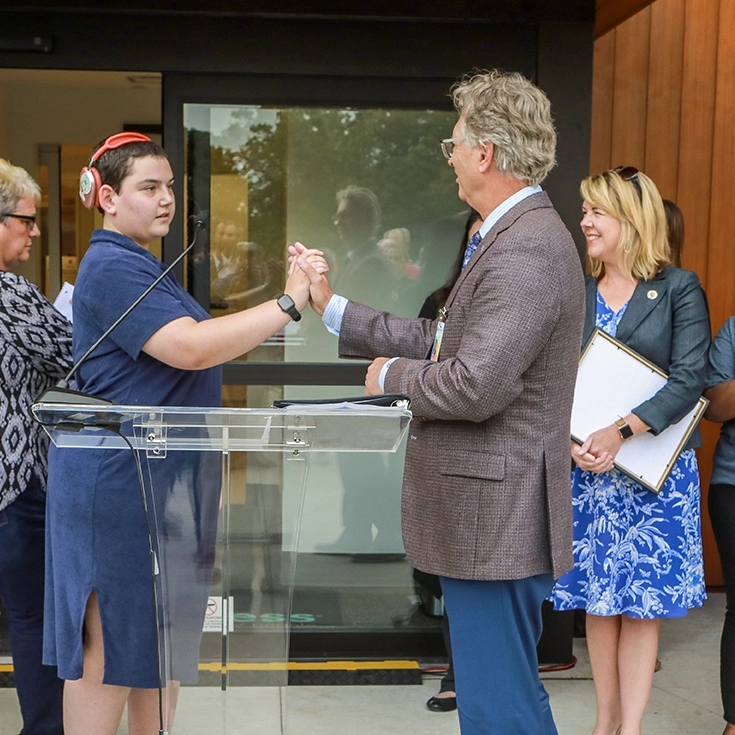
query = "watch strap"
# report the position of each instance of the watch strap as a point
(624, 430)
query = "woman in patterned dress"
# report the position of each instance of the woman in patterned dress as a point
(35, 350)
(638, 556)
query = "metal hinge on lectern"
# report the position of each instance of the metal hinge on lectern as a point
(297, 442)
(154, 432)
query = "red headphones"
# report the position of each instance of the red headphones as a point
(89, 180)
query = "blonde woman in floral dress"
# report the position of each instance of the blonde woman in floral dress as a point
(638, 556)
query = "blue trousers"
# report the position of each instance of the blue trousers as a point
(495, 628)
(22, 544)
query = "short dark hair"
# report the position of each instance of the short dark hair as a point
(114, 165)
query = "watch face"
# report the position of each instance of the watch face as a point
(286, 302)
(287, 305)
(624, 429)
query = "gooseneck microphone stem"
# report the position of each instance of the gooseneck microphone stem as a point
(64, 384)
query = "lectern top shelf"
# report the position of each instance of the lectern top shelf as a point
(156, 429)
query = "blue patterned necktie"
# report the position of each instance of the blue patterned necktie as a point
(475, 240)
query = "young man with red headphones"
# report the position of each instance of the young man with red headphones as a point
(166, 352)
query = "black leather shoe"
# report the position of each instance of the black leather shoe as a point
(442, 704)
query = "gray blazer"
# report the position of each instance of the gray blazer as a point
(667, 322)
(486, 490)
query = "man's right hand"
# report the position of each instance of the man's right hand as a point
(320, 292)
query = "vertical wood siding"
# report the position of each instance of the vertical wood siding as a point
(664, 101)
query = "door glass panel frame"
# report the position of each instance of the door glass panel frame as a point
(281, 91)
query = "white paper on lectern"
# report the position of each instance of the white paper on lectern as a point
(610, 382)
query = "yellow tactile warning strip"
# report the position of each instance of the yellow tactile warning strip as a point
(296, 666)
(311, 666)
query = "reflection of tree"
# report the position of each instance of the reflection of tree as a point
(262, 161)
(295, 161)
(395, 153)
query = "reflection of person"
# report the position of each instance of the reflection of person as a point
(240, 276)
(364, 274)
(36, 347)
(638, 556)
(445, 700)
(486, 502)
(396, 246)
(227, 264)
(165, 353)
(721, 501)
(370, 512)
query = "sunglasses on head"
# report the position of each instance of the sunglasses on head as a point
(630, 173)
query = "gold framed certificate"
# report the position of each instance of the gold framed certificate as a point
(613, 379)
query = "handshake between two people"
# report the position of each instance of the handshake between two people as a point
(308, 284)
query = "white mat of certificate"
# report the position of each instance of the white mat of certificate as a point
(612, 379)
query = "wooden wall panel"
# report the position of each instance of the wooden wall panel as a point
(663, 113)
(720, 251)
(611, 13)
(693, 196)
(603, 81)
(697, 130)
(630, 92)
(671, 110)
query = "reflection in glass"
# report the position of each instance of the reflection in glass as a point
(371, 189)
(368, 187)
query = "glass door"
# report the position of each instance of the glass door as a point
(370, 188)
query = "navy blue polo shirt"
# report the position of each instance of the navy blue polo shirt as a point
(113, 273)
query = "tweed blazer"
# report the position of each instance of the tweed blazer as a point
(667, 321)
(486, 490)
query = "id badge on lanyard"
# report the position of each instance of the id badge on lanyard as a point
(437, 345)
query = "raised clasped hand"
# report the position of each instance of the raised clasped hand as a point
(372, 377)
(299, 281)
(320, 292)
(598, 452)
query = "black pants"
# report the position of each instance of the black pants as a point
(39, 690)
(722, 514)
(433, 584)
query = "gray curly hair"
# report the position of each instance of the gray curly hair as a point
(15, 184)
(513, 114)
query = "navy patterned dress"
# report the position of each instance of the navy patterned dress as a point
(635, 553)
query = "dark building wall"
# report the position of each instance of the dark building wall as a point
(408, 56)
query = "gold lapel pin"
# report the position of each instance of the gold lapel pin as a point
(652, 294)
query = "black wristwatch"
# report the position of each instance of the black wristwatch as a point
(287, 304)
(624, 429)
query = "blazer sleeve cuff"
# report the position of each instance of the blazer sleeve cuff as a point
(652, 416)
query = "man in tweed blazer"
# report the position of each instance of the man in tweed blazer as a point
(486, 493)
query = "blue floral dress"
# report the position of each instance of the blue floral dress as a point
(635, 552)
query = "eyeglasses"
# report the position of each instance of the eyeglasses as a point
(447, 146)
(29, 219)
(630, 173)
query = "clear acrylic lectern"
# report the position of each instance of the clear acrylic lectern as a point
(225, 489)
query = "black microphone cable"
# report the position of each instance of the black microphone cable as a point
(61, 393)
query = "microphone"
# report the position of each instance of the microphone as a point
(61, 393)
